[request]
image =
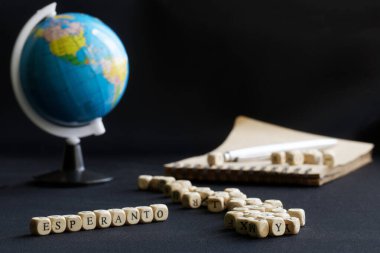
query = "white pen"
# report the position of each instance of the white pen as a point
(259, 152)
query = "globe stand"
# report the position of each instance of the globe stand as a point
(73, 171)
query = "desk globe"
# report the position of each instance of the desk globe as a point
(68, 71)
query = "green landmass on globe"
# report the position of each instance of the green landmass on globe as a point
(73, 69)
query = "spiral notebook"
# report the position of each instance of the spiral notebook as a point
(247, 132)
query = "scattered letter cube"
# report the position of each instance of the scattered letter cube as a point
(278, 157)
(313, 156)
(298, 213)
(177, 194)
(215, 158)
(294, 157)
(236, 203)
(258, 228)
(143, 182)
(274, 202)
(230, 218)
(276, 226)
(215, 204)
(191, 200)
(241, 225)
(329, 158)
(253, 201)
(292, 225)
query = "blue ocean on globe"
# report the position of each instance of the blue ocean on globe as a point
(73, 69)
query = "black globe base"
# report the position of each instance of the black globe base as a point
(73, 172)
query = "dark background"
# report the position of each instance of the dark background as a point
(195, 66)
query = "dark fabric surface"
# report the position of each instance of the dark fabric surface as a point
(341, 216)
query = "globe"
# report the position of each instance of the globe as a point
(73, 69)
(68, 71)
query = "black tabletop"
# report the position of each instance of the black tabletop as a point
(341, 216)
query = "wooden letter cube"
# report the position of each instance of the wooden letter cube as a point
(192, 188)
(239, 195)
(132, 215)
(241, 225)
(155, 182)
(88, 220)
(160, 212)
(230, 218)
(215, 158)
(276, 226)
(118, 217)
(177, 194)
(240, 209)
(252, 214)
(256, 207)
(143, 182)
(191, 200)
(258, 228)
(274, 202)
(292, 226)
(298, 213)
(228, 190)
(265, 215)
(58, 223)
(278, 157)
(313, 156)
(163, 181)
(73, 222)
(204, 192)
(278, 210)
(282, 215)
(40, 226)
(184, 183)
(224, 195)
(146, 214)
(215, 204)
(236, 203)
(329, 158)
(268, 207)
(294, 157)
(253, 201)
(103, 218)
(169, 187)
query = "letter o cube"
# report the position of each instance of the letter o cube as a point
(160, 212)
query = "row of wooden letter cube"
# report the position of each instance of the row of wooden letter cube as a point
(297, 157)
(88, 220)
(268, 214)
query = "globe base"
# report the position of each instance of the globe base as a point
(73, 172)
(62, 178)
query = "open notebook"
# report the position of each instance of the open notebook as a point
(247, 132)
